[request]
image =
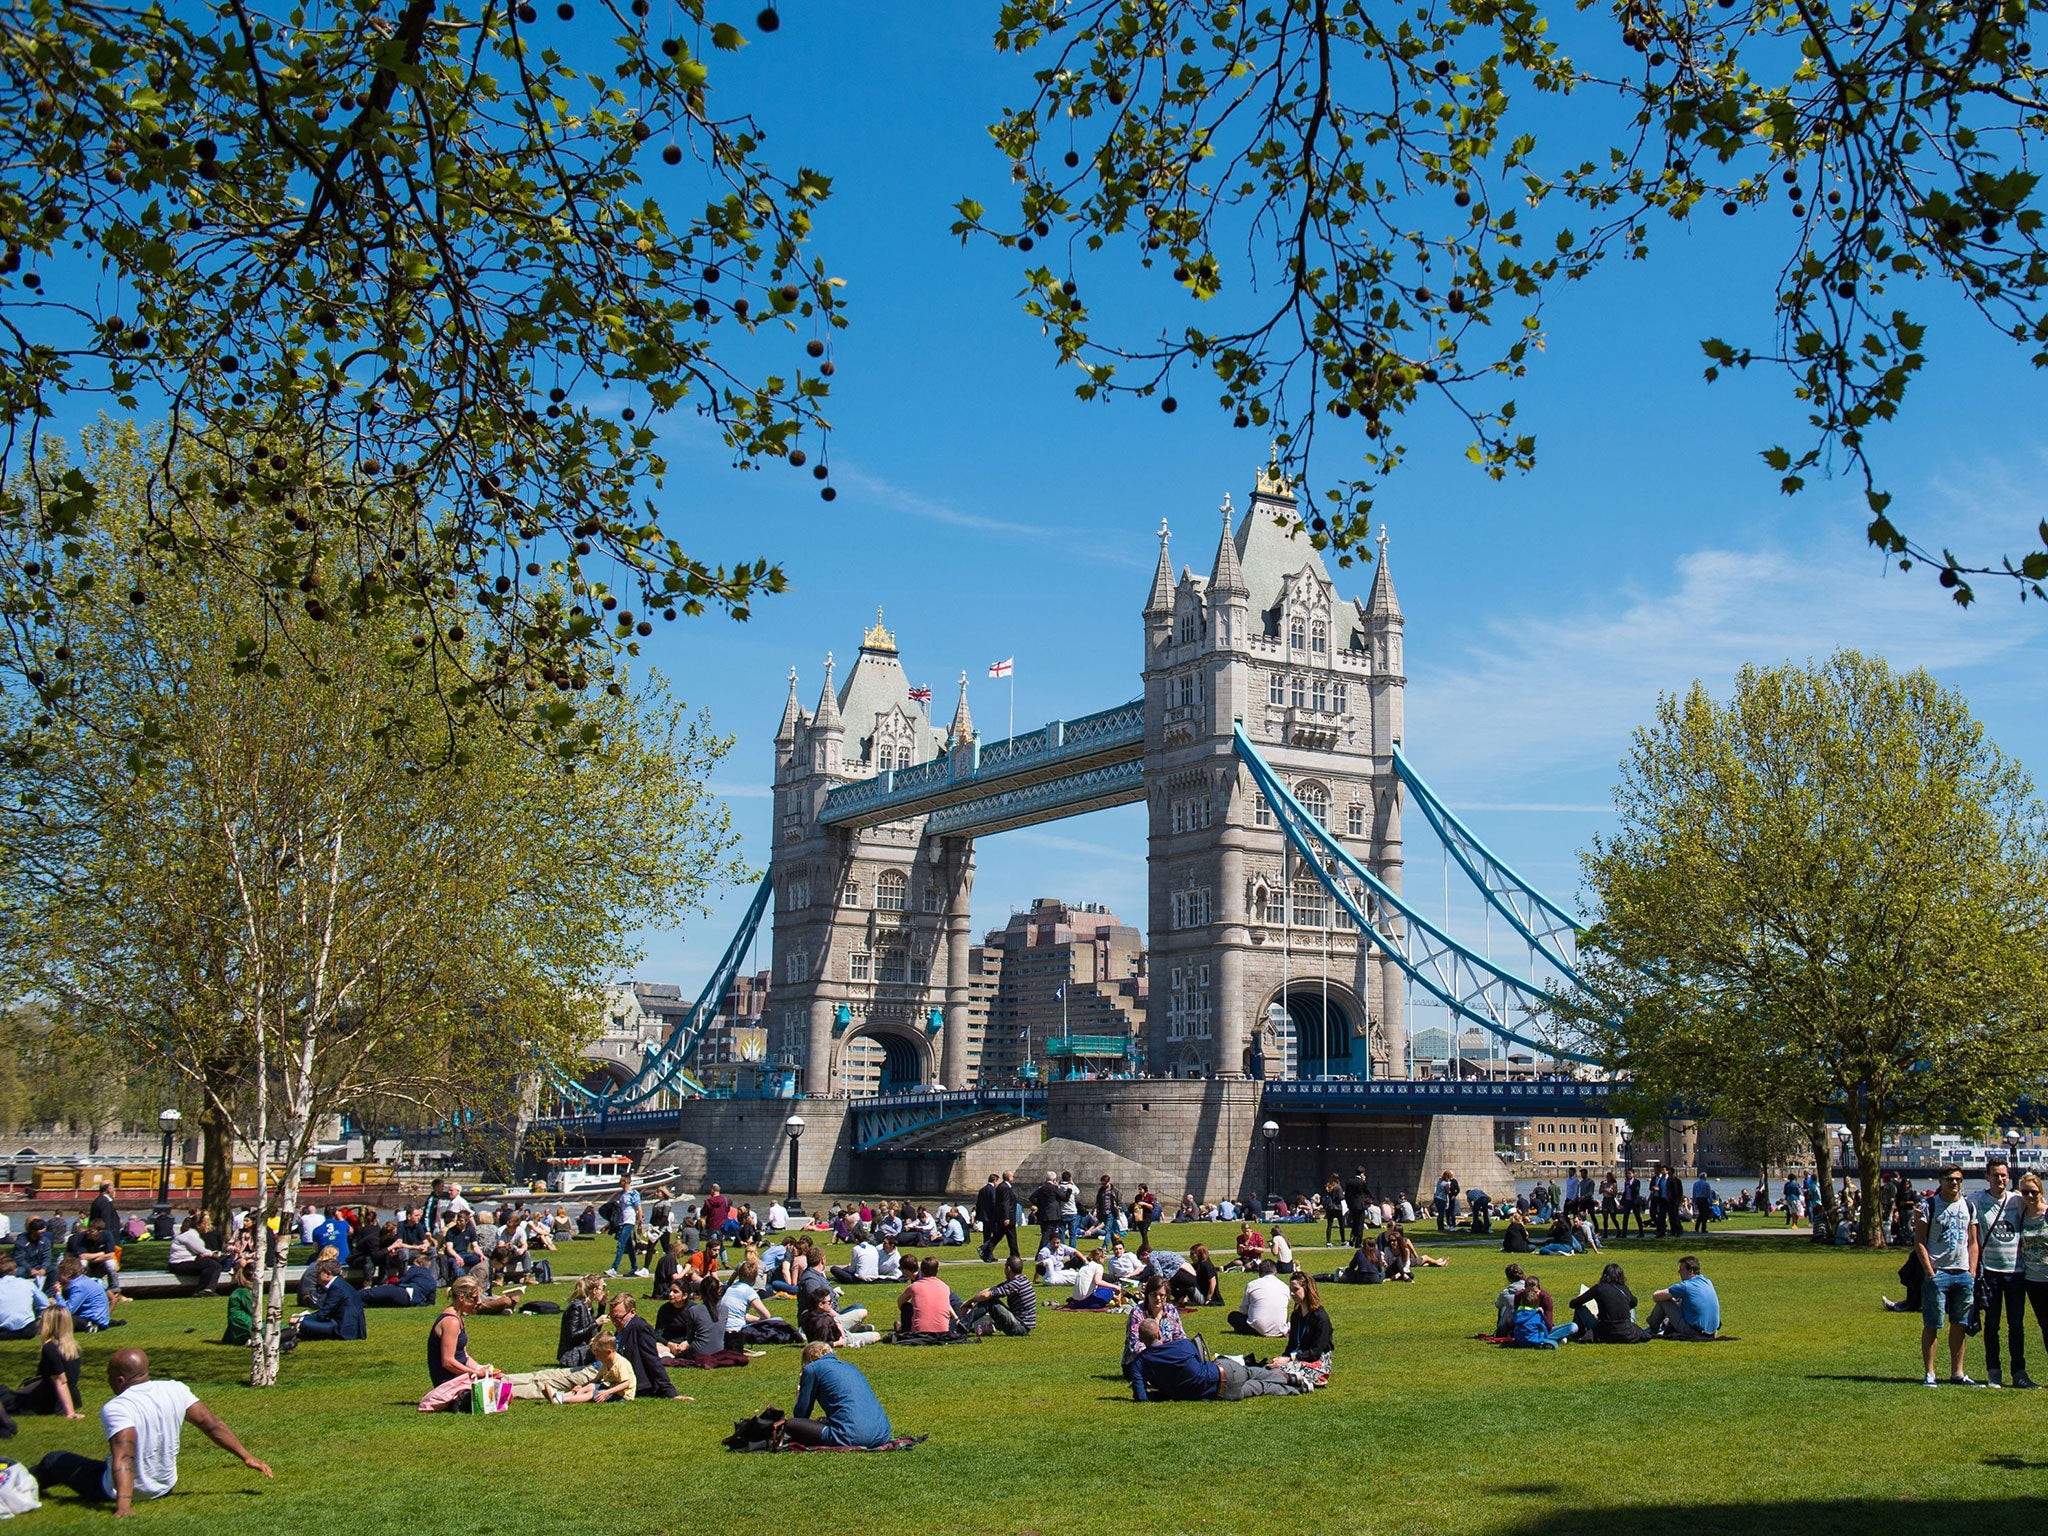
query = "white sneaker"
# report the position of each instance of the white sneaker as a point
(1930, 1381)
(1963, 1381)
(642, 1274)
(611, 1274)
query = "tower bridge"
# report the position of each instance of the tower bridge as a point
(1266, 745)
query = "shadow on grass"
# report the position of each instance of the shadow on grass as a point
(1810, 1517)
(1876, 1381)
(2011, 1463)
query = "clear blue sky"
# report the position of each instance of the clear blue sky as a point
(991, 514)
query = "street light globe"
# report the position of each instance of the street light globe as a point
(1270, 1129)
(169, 1119)
(794, 1125)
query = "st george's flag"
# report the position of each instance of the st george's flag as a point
(922, 694)
(1002, 668)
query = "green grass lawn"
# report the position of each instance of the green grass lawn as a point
(1811, 1421)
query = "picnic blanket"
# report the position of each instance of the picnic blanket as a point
(900, 1443)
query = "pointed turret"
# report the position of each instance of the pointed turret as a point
(1160, 604)
(962, 728)
(1382, 607)
(826, 717)
(828, 731)
(785, 733)
(1228, 576)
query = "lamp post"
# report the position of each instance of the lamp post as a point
(170, 1119)
(1269, 1129)
(795, 1126)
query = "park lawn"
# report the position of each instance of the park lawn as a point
(1812, 1421)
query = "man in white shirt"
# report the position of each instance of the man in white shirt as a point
(142, 1421)
(865, 1263)
(778, 1217)
(1264, 1312)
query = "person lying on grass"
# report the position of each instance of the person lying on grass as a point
(1176, 1372)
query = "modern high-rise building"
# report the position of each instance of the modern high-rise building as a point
(1070, 997)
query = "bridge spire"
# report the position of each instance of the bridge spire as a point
(1161, 601)
(826, 717)
(1228, 576)
(1382, 606)
(962, 728)
(785, 733)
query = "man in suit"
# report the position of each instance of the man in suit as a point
(340, 1313)
(1356, 1193)
(1006, 1215)
(985, 1213)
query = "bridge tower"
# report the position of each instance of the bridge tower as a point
(871, 925)
(1236, 925)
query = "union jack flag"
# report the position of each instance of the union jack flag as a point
(922, 694)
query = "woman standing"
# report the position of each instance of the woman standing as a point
(1334, 1210)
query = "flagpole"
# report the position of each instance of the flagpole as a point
(1013, 700)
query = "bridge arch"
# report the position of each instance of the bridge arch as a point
(1319, 1034)
(909, 1056)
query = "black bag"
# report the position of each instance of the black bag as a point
(542, 1308)
(758, 1433)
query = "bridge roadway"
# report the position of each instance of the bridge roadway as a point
(1064, 768)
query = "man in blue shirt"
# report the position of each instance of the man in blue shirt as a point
(21, 1302)
(84, 1298)
(332, 1233)
(1176, 1372)
(1702, 1203)
(853, 1414)
(1688, 1309)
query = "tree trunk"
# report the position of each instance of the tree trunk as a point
(217, 1165)
(1870, 1225)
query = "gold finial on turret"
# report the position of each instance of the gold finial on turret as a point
(1271, 481)
(878, 638)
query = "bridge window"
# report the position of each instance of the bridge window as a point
(1297, 634)
(849, 894)
(796, 966)
(1311, 904)
(1262, 811)
(893, 961)
(1354, 820)
(892, 891)
(860, 966)
(920, 971)
(1276, 689)
(1300, 693)
(1178, 818)
(1319, 638)
(799, 894)
(1187, 628)
(1321, 696)
(1315, 800)
(1340, 697)
(928, 897)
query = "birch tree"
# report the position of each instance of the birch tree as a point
(293, 867)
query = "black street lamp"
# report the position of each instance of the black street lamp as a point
(795, 1126)
(1271, 1131)
(170, 1119)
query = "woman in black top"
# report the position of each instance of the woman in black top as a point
(672, 1321)
(666, 1268)
(1201, 1283)
(1516, 1238)
(1602, 1310)
(582, 1320)
(54, 1387)
(1308, 1325)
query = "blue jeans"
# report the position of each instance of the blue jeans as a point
(625, 1250)
(1562, 1332)
(1952, 1290)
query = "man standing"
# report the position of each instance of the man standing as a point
(1046, 1201)
(103, 1211)
(1006, 1214)
(2001, 1285)
(1702, 1204)
(985, 1213)
(1945, 1241)
(1356, 1192)
(1070, 1208)
(629, 1227)
(142, 1423)
(332, 1232)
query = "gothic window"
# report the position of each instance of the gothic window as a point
(892, 891)
(1208, 806)
(1319, 638)
(849, 894)
(799, 894)
(1202, 978)
(920, 971)
(1311, 904)
(928, 896)
(893, 960)
(1315, 800)
(796, 966)
(1276, 689)
(1321, 699)
(1300, 693)
(1262, 813)
(1177, 816)
(1176, 978)
(1297, 633)
(1354, 821)
(860, 966)
(1187, 628)
(1339, 697)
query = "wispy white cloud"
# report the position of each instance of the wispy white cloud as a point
(741, 791)
(1542, 694)
(1081, 545)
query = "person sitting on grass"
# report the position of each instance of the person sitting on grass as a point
(1251, 1246)
(1309, 1335)
(1010, 1307)
(1529, 1320)
(309, 1278)
(1264, 1311)
(1057, 1263)
(340, 1312)
(670, 1322)
(925, 1306)
(1197, 1283)
(863, 1265)
(1090, 1294)
(54, 1387)
(142, 1421)
(704, 1343)
(417, 1286)
(1123, 1266)
(641, 1346)
(1687, 1310)
(1515, 1239)
(836, 1388)
(1363, 1268)
(582, 1321)
(1176, 1372)
(241, 1306)
(1282, 1252)
(448, 1357)
(843, 1330)
(21, 1301)
(614, 1382)
(1153, 1307)
(1605, 1310)
(85, 1297)
(1397, 1253)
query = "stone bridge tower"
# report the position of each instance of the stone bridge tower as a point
(1236, 924)
(871, 926)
